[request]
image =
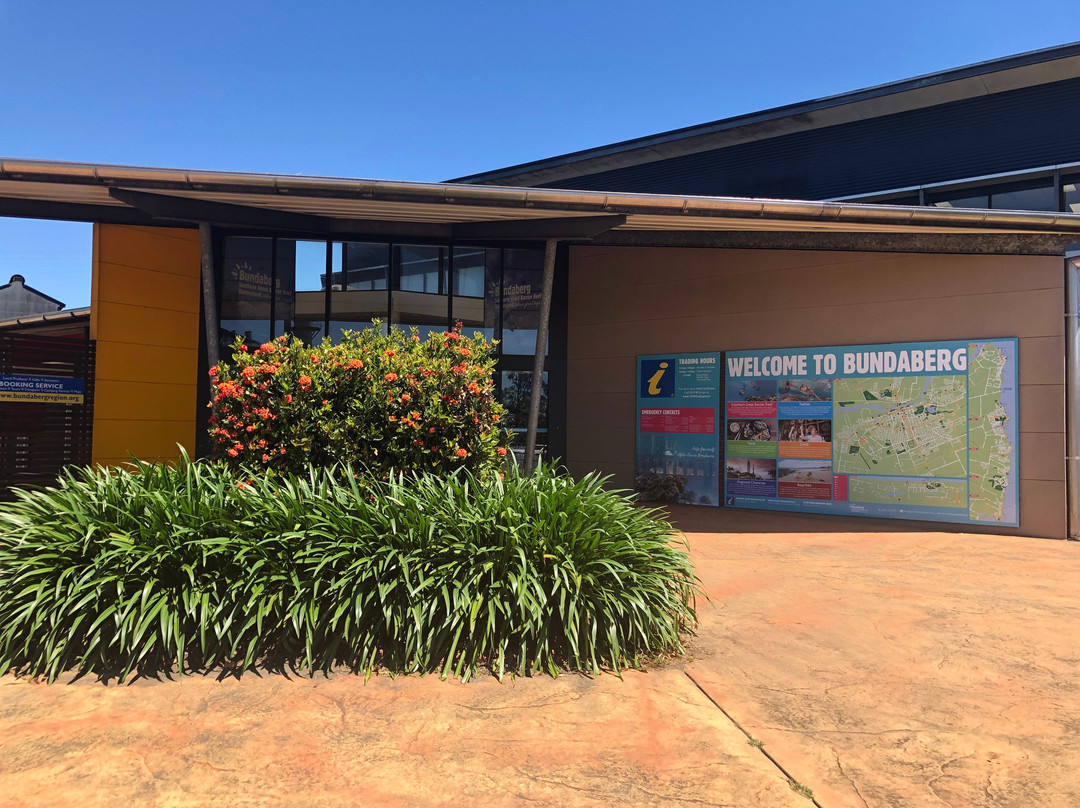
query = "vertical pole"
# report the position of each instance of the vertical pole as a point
(209, 291)
(538, 357)
(1072, 395)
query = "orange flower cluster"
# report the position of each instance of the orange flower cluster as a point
(365, 399)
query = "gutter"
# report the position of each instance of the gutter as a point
(529, 199)
(47, 317)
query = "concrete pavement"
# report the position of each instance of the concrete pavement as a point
(878, 669)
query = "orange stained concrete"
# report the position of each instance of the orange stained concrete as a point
(878, 669)
(896, 668)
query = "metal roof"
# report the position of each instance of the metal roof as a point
(88, 192)
(1044, 66)
(66, 316)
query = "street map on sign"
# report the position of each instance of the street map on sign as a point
(991, 447)
(906, 426)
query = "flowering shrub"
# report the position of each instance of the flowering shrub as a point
(382, 401)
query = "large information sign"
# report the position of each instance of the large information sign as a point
(907, 431)
(678, 423)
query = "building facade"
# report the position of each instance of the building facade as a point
(185, 263)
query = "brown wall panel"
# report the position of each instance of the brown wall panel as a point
(1044, 408)
(626, 302)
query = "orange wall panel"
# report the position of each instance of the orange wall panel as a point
(145, 319)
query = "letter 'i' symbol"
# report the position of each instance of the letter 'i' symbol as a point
(654, 389)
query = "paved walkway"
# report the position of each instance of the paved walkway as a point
(887, 669)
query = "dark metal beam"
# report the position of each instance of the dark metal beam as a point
(76, 212)
(178, 208)
(558, 227)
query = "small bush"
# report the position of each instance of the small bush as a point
(164, 568)
(389, 402)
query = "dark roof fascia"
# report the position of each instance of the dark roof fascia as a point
(786, 111)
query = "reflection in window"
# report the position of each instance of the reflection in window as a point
(309, 296)
(516, 391)
(1038, 195)
(1031, 197)
(964, 199)
(359, 287)
(476, 290)
(246, 270)
(1070, 189)
(523, 273)
(419, 299)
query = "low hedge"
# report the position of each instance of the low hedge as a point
(177, 568)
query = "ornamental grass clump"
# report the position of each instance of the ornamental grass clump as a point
(389, 402)
(164, 568)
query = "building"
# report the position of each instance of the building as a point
(186, 261)
(18, 300)
(1001, 134)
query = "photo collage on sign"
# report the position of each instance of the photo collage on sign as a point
(901, 430)
(779, 438)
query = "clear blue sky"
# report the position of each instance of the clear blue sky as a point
(433, 90)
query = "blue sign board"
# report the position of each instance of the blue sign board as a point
(41, 389)
(906, 430)
(678, 422)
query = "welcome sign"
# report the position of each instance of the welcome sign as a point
(912, 430)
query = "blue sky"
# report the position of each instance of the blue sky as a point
(433, 90)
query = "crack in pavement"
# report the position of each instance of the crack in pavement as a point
(768, 755)
(848, 777)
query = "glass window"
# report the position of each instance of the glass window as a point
(476, 290)
(523, 274)
(961, 199)
(421, 279)
(421, 269)
(912, 200)
(515, 393)
(1037, 195)
(1031, 197)
(1070, 189)
(367, 266)
(246, 270)
(302, 270)
(359, 287)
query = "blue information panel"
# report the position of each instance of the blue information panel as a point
(41, 389)
(907, 430)
(678, 422)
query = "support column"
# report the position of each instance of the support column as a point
(538, 357)
(211, 324)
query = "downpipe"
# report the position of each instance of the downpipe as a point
(1072, 391)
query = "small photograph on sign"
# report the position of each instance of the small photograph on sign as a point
(751, 398)
(752, 437)
(805, 390)
(805, 479)
(751, 476)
